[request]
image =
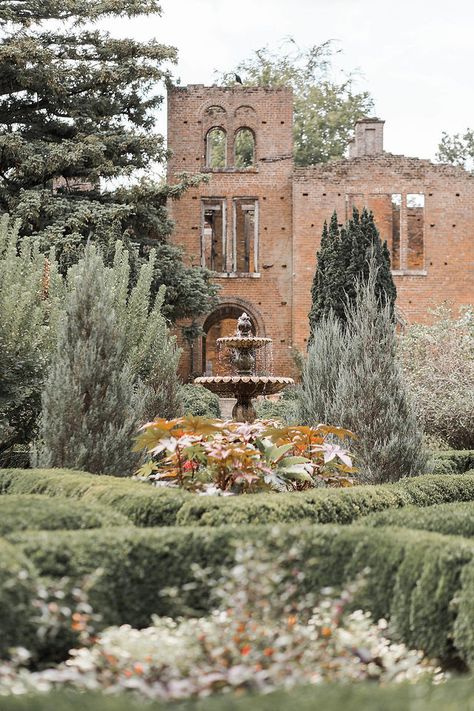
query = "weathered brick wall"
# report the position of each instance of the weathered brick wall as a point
(269, 114)
(442, 263)
(437, 265)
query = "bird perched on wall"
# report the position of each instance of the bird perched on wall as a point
(238, 79)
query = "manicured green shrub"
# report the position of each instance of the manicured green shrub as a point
(453, 695)
(326, 505)
(143, 504)
(17, 592)
(146, 505)
(284, 409)
(414, 577)
(453, 461)
(451, 519)
(199, 401)
(30, 511)
(464, 606)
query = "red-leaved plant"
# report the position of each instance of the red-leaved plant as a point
(201, 454)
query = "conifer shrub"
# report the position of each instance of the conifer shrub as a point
(30, 306)
(29, 511)
(92, 404)
(343, 263)
(199, 401)
(352, 377)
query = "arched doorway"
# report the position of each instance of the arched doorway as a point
(220, 323)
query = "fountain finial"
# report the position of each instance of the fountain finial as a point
(244, 325)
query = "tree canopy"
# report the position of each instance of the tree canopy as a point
(325, 108)
(457, 149)
(345, 256)
(77, 116)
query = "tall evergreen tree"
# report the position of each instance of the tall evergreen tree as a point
(77, 114)
(92, 403)
(343, 261)
(352, 378)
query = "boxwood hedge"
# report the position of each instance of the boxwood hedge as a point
(452, 519)
(453, 461)
(415, 577)
(325, 505)
(33, 511)
(143, 504)
(18, 585)
(455, 694)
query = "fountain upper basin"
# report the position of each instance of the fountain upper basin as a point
(246, 385)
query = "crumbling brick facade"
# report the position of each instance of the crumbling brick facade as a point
(257, 222)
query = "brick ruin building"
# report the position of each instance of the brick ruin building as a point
(257, 222)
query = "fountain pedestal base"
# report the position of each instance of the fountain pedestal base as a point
(243, 410)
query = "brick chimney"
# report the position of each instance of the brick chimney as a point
(368, 139)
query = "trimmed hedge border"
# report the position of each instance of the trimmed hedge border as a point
(454, 694)
(20, 512)
(326, 505)
(18, 584)
(451, 519)
(149, 506)
(418, 579)
(143, 504)
(453, 461)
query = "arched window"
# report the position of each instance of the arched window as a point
(216, 148)
(244, 148)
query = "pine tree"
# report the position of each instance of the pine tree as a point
(92, 404)
(343, 259)
(77, 114)
(31, 294)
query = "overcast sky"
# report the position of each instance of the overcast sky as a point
(416, 57)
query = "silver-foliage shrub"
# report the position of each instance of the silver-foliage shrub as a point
(352, 378)
(31, 295)
(438, 362)
(92, 403)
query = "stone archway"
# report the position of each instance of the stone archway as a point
(223, 322)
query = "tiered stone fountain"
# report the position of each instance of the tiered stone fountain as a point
(246, 384)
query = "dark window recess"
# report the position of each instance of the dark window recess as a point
(245, 235)
(415, 230)
(213, 236)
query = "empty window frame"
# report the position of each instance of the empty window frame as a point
(216, 148)
(244, 148)
(213, 235)
(245, 235)
(354, 200)
(415, 230)
(396, 230)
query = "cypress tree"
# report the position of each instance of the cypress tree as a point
(343, 260)
(92, 404)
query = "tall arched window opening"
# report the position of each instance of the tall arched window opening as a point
(216, 148)
(244, 148)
